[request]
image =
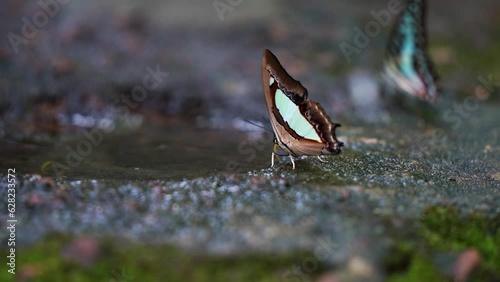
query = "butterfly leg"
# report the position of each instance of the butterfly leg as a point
(293, 163)
(322, 160)
(273, 155)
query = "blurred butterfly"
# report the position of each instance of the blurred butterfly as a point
(407, 65)
(301, 126)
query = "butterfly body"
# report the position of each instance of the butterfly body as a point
(301, 126)
(407, 65)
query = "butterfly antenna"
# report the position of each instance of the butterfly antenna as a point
(275, 140)
(259, 126)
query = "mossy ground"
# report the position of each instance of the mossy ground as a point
(123, 261)
(441, 230)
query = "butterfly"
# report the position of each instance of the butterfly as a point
(301, 126)
(407, 65)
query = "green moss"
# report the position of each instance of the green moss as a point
(445, 230)
(399, 257)
(421, 268)
(119, 260)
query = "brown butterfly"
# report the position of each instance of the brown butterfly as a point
(301, 126)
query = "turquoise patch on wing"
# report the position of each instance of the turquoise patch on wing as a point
(296, 121)
(408, 50)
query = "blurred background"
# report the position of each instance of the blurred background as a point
(70, 65)
(162, 91)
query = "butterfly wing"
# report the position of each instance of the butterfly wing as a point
(301, 125)
(407, 64)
